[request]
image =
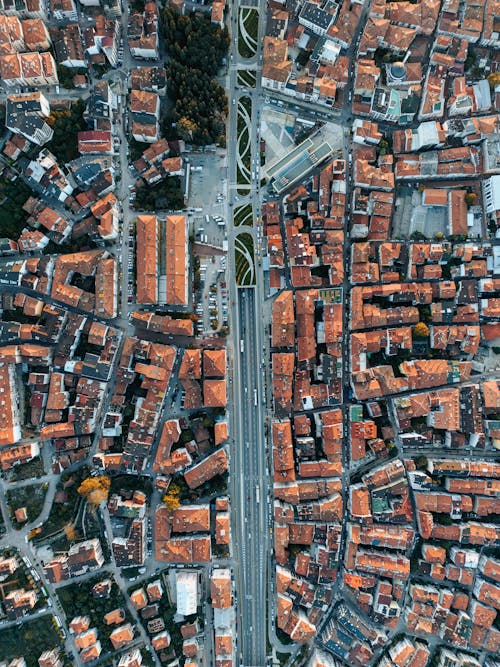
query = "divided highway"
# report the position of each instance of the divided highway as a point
(250, 499)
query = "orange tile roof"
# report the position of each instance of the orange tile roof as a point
(138, 598)
(86, 638)
(147, 259)
(220, 588)
(214, 464)
(176, 260)
(222, 528)
(122, 635)
(220, 432)
(214, 393)
(191, 519)
(114, 617)
(214, 363)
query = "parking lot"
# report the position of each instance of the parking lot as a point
(213, 305)
(207, 196)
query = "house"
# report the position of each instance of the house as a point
(220, 588)
(9, 417)
(26, 114)
(35, 33)
(317, 18)
(17, 603)
(131, 659)
(101, 40)
(131, 550)
(94, 141)
(63, 10)
(276, 68)
(152, 79)
(217, 13)
(142, 33)
(28, 69)
(122, 636)
(144, 110)
(85, 556)
(147, 258)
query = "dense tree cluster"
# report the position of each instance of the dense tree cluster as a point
(164, 195)
(66, 124)
(196, 48)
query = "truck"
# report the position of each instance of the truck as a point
(242, 346)
(255, 397)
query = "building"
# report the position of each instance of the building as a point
(491, 195)
(85, 556)
(19, 602)
(317, 19)
(26, 114)
(298, 163)
(155, 284)
(187, 592)
(131, 550)
(28, 69)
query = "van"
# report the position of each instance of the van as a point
(207, 219)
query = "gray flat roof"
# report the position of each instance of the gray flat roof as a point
(298, 163)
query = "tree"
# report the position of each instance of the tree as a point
(70, 532)
(421, 462)
(383, 147)
(470, 198)
(421, 329)
(186, 128)
(171, 499)
(494, 79)
(95, 489)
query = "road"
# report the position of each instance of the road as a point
(250, 482)
(249, 478)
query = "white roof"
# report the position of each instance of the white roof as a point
(187, 593)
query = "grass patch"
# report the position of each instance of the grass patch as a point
(243, 144)
(28, 470)
(242, 179)
(244, 271)
(250, 18)
(247, 78)
(246, 103)
(243, 215)
(31, 497)
(30, 640)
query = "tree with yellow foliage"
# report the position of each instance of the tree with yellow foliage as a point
(95, 489)
(494, 79)
(171, 499)
(70, 532)
(421, 329)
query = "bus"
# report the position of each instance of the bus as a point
(242, 346)
(257, 493)
(255, 397)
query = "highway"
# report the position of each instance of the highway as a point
(250, 508)
(249, 470)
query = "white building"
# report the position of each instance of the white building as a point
(187, 593)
